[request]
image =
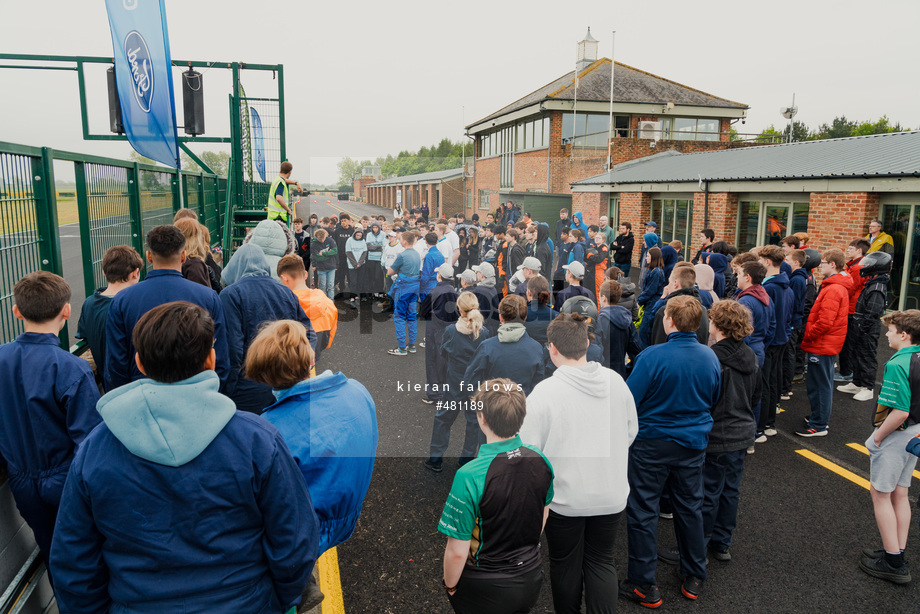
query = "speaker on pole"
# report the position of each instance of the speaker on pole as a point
(115, 123)
(193, 101)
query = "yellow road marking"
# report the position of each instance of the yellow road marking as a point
(835, 468)
(330, 582)
(864, 450)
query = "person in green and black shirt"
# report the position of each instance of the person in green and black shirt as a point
(496, 511)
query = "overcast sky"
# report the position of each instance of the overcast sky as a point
(364, 79)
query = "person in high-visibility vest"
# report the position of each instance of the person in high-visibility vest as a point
(279, 195)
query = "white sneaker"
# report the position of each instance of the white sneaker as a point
(864, 394)
(769, 431)
(850, 388)
(762, 438)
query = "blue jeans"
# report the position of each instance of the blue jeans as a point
(652, 464)
(440, 432)
(326, 281)
(625, 268)
(721, 492)
(404, 316)
(819, 381)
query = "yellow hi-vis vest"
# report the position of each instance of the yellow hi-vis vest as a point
(275, 210)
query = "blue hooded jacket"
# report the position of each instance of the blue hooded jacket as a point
(719, 263)
(783, 298)
(429, 279)
(649, 240)
(652, 287)
(617, 337)
(578, 223)
(329, 422)
(798, 281)
(179, 502)
(674, 385)
(510, 353)
(253, 299)
(670, 257)
(758, 301)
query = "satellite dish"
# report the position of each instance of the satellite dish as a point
(789, 112)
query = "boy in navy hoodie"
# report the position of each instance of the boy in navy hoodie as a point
(776, 283)
(615, 332)
(798, 282)
(179, 500)
(674, 386)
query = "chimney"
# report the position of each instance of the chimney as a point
(587, 52)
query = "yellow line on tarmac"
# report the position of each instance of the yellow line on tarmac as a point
(330, 582)
(835, 468)
(864, 450)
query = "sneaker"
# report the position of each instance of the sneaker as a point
(311, 598)
(720, 554)
(864, 394)
(769, 431)
(431, 465)
(750, 450)
(398, 352)
(690, 588)
(411, 348)
(879, 568)
(666, 516)
(422, 345)
(647, 596)
(785, 396)
(798, 378)
(843, 378)
(850, 388)
(671, 556)
(807, 431)
(427, 401)
(761, 438)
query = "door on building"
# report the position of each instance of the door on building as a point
(675, 218)
(901, 220)
(613, 213)
(767, 223)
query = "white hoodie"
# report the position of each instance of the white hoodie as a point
(584, 420)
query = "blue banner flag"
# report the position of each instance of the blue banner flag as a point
(143, 76)
(258, 143)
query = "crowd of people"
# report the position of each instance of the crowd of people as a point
(586, 398)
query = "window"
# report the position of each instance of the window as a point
(533, 134)
(766, 223)
(484, 199)
(592, 129)
(675, 219)
(690, 129)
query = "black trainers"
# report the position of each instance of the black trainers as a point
(722, 555)
(646, 596)
(411, 348)
(311, 598)
(671, 556)
(878, 567)
(431, 465)
(690, 588)
(874, 554)
(807, 431)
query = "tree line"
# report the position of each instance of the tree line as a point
(443, 156)
(840, 128)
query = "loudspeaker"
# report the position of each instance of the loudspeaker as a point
(115, 123)
(193, 102)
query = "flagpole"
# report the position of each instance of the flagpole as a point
(610, 134)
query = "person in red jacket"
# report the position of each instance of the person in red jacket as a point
(854, 254)
(823, 339)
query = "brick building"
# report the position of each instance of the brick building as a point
(442, 191)
(755, 196)
(369, 175)
(532, 150)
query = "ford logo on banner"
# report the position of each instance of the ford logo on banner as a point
(141, 69)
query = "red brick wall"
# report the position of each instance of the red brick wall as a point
(723, 216)
(836, 218)
(487, 177)
(636, 208)
(591, 204)
(530, 170)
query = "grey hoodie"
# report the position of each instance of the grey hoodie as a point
(275, 239)
(511, 332)
(168, 424)
(248, 261)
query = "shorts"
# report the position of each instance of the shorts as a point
(891, 465)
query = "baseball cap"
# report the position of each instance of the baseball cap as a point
(652, 224)
(575, 268)
(392, 233)
(485, 268)
(530, 263)
(446, 271)
(469, 276)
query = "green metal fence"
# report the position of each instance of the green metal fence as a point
(117, 202)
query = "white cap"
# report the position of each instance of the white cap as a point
(485, 268)
(530, 263)
(446, 271)
(576, 268)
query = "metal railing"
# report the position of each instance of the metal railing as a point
(116, 202)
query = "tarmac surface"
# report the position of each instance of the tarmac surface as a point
(801, 525)
(800, 532)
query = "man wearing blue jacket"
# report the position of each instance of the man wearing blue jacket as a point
(252, 299)
(433, 259)
(178, 502)
(674, 385)
(439, 310)
(776, 283)
(166, 252)
(615, 331)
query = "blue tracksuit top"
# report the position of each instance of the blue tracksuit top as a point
(329, 422)
(798, 281)
(783, 298)
(160, 286)
(180, 503)
(433, 259)
(675, 384)
(512, 354)
(49, 405)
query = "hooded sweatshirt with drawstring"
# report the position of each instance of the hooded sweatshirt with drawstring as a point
(512, 353)
(176, 502)
(584, 420)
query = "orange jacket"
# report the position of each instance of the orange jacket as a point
(321, 311)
